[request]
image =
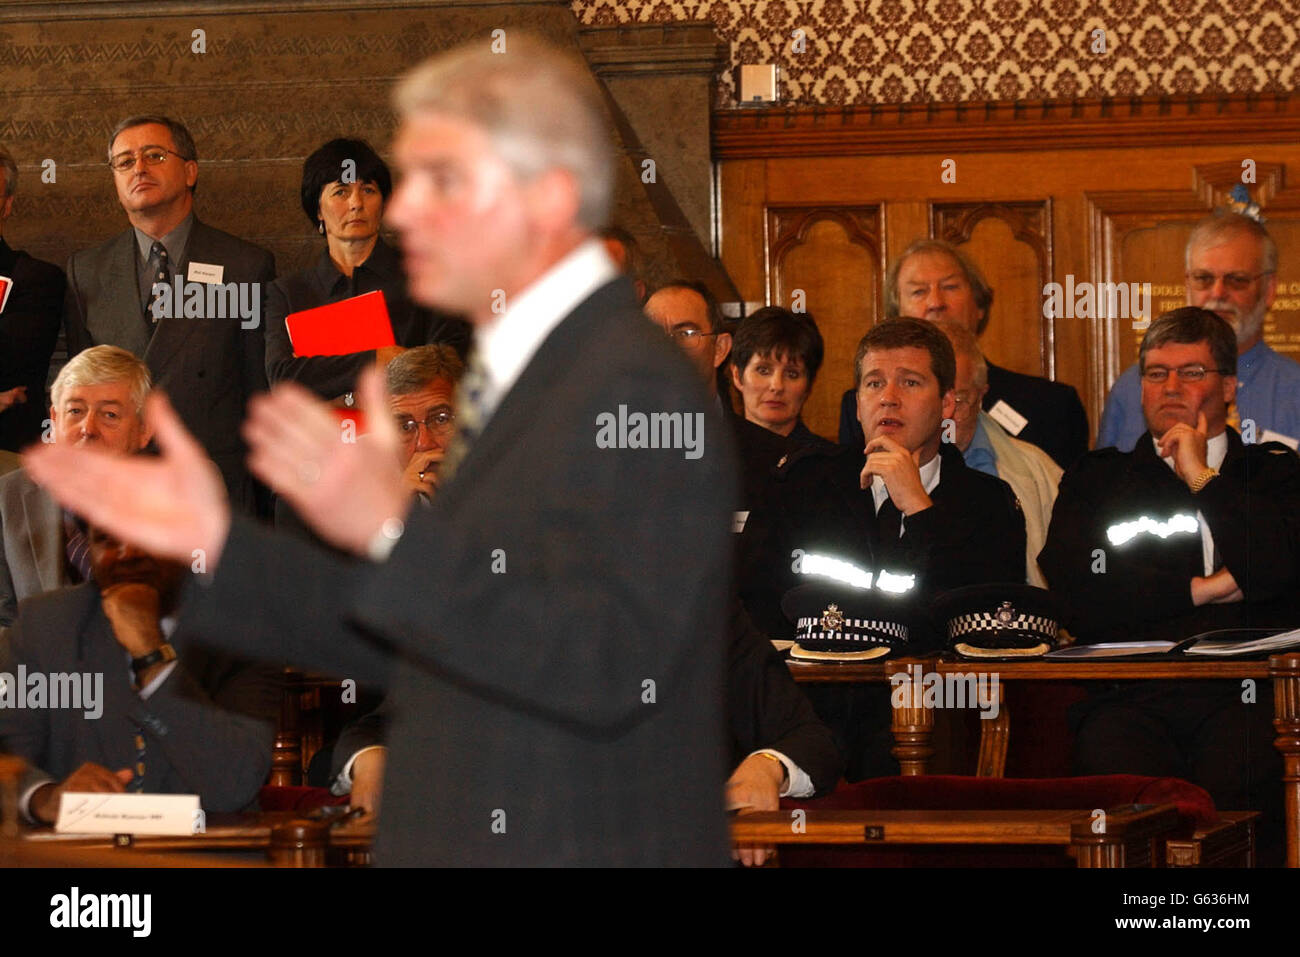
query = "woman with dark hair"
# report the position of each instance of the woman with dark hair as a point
(775, 355)
(345, 186)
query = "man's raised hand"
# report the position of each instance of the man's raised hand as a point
(343, 486)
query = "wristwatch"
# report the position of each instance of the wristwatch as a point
(165, 652)
(1202, 480)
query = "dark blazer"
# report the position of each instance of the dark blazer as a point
(1144, 591)
(573, 699)
(208, 367)
(208, 727)
(32, 558)
(1056, 422)
(765, 709)
(974, 532)
(321, 284)
(29, 328)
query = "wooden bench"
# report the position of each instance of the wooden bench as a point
(1133, 836)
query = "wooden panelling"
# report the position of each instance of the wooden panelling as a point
(829, 261)
(1031, 210)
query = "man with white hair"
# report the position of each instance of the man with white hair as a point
(97, 401)
(1232, 271)
(988, 448)
(553, 703)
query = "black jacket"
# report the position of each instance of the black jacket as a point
(29, 328)
(974, 532)
(321, 284)
(1144, 592)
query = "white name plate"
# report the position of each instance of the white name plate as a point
(168, 814)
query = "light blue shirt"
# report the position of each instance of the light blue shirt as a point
(1268, 393)
(979, 455)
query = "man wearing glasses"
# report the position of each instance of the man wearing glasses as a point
(1190, 532)
(208, 360)
(1232, 271)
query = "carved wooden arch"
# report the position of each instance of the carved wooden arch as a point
(788, 226)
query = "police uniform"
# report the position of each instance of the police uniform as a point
(1127, 536)
(974, 532)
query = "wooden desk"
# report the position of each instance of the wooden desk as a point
(913, 725)
(283, 836)
(1134, 837)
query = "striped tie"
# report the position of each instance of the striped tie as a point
(76, 547)
(471, 415)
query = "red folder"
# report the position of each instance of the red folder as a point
(6, 284)
(353, 325)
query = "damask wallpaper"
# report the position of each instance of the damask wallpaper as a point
(909, 51)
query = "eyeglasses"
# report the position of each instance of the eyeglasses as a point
(439, 422)
(1189, 373)
(1203, 279)
(689, 335)
(153, 156)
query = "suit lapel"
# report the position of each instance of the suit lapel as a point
(45, 535)
(117, 317)
(512, 416)
(101, 654)
(171, 333)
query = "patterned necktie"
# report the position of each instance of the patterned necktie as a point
(159, 272)
(76, 547)
(136, 784)
(471, 415)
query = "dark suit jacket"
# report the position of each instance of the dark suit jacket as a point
(765, 709)
(209, 367)
(32, 558)
(575, 698)
(1056, 422)
(974, 532)
(29, 328)
(1252, 508)
(321, 284)
(208, 727)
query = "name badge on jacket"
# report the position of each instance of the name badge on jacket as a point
(1007, 417)
(205, 272)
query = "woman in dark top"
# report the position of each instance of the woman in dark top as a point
(345, 186)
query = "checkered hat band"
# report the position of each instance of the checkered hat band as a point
(810, 629)
(989, 621)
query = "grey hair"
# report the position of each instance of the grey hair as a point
(540, 108)
(101, 365)
(1222, 225)
(415, 368)
(964, 343)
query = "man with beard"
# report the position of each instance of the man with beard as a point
(172, 718)
(1232, 271)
